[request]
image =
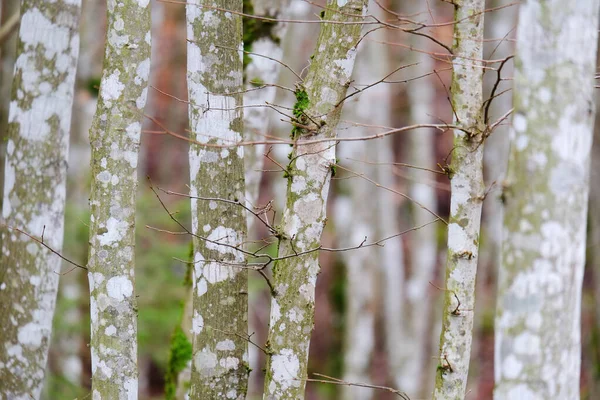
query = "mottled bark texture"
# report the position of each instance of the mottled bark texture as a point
(115, 139)
(317, 113)
(260, 73)
(538, 346)
(220, 295)
(34, 190)
(467, 193)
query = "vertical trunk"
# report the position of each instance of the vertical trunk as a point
(593, 264)
(34, 189)
(220, 295)
(538, 315)
(421, 95)
(467, 192)
(115, 137)
(264, 38)
(8, 49)
(317, 114)
(354, 222)
(500, 24)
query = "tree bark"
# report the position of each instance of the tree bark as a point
(538, 345)
(418, 300)
(263, 38)
(8, 50)
(34, 189)
(354, 221)
(317, 113)
(467, 194)
(220, 295)
(115, 137)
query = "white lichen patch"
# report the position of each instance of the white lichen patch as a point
(119, 287)
(215, 272)
(197, 323)
(201, 287)
(205, 360)
(285, 367)
(275, 312)
(115, 232)
(226, 345)
(111, 87)
(224, 240)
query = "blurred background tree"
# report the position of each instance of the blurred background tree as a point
(417, 94)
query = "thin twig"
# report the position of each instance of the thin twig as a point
(41, 241)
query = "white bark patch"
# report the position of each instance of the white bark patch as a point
(142, 71)
(205, 360)
(347, 64)
(131, 384)
(511, 367)
(119, 287)
(229, 363)
(226, 345)
(202, 287)
(111, 87)
(31, 334)
(197, 323)
(215, 272)
(275, 312)
(115, 232)
(285, 367)
(53, 37)
(224, 240)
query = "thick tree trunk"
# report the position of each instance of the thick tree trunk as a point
(115, 137)
(538, 347)
(467, 194)
(34, 190)
(317, 113)
(220, 296)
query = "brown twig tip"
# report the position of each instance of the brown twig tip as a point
(336, 381)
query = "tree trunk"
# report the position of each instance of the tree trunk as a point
(467, 193)
(538, 347)
(263, 38)
(317, 113)
(354, 222)
(220, 303)
(8, 50)
(34, 189)
(424, 255)
(115, 137)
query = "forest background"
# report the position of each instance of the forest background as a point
(417, 92)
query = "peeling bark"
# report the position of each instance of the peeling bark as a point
(467, 193)
(309, 175)
(220, 292)
(115, 138)
(34, 189)
(538, 344)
